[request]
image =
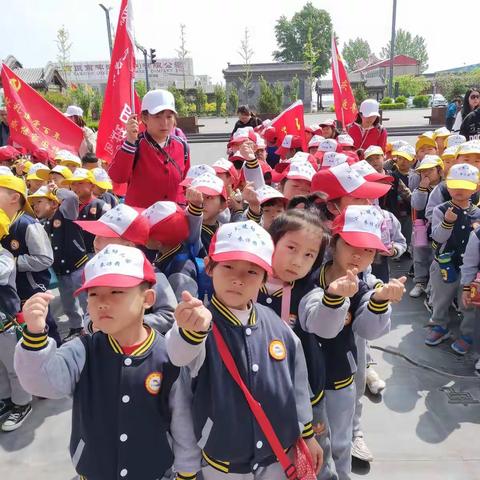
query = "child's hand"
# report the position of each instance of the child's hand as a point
(35, 311)
(425, 182)
(246, 151)
(192, 315)
(132, 128)
(466, 299)
(51, 186)
(392, 291)
(346, 286)
(450, 215)
(233, 203)
(194, 197)
(390, 253)
(316, 452)
(250, 196)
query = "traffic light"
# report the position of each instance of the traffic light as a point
(153, 55)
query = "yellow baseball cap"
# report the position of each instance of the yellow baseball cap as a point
(65, 172)
(430, 161)
(33, 171)
(463, 176)
(80, 175)
(426, 139)
(441, 132)
(472, 146)
(11, 182)
(102, 180)
(44, 192)
(405, 151)
(64, 157)
(373, 150)
(4, 224)
(450, 152)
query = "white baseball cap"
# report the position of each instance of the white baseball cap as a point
(369, 108)
(315, 141)
(455, 140)
(300, 171)
(73, 110)
(373, 150)
(463, 176)
(209, 185)
(266, 193)
(197, 171)
(156, 101)
(333, 159)
(328, 145)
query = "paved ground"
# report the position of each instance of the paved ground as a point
(425, 426)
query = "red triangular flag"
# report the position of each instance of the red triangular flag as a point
(291, 121)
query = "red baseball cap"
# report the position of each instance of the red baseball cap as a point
(329, 122)
(7, 152)
(117, 266)
(241, 135)
(196, 171)
(210, 185)
(360, 226)
(121, 221)
(369, 173)
(270, 134)
(342, 181)
(289, 142)
(41, 155)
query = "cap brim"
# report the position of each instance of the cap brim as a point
(461, 184)
(363, 240)
(282, 151)
(427, 166)
(370, 190)
(186, 182)
(104, 185)
(161, 108)
(111, 280)
(96, 227)
(68, 181)
(247, 256)
(378, 177)
(298, 177)
(403, 155)
(284, 200)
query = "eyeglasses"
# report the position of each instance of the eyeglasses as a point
(474, 96)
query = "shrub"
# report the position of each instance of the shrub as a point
(93, 125)
(420, 101)
(386, 100)
(401, 99)
(393, 106)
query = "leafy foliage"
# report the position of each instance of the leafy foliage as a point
(407, 44)
(355, 50)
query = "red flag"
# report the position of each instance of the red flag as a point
(291, 121)
(345, 106)
(117, 106)
(35, 123)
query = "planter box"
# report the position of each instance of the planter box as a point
(188, 124)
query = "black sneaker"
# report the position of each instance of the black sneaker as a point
(17, 416)
(74, 333)
(5, 407)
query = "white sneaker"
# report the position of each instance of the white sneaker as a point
(374, 383)
(417, 291)
(477, 368)
(360, 450)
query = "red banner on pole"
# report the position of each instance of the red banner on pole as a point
(120, 92)
(345, 106)
(35, 123)
(291, 122)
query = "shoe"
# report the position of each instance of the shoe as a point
(411, 273)
(17, 416)
(374, 383)
(477, 368)
(428, 305)
(360, 450)
(417, 291)
(462, 345)
(437, 335)
(5, 407)
(74, 333)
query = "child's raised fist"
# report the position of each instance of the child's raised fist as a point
(392, 291)
(132, 128)
(192, 315)
(35, 311)
(346, 286)
(194, 197)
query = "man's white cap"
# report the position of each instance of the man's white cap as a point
(73, 110)
(243, 241)
(369, 107)
(156, 101)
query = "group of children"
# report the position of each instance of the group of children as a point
(227, 336)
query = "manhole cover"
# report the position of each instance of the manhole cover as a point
(459, 398)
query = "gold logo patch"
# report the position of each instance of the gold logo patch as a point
(277, 350)
(14, 244)
(153, 383)
(57, 223)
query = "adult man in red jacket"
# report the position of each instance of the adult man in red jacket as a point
(153, 163)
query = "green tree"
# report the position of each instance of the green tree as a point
(360, 93)
(267, 101)
(406, 44)
(232, 100)
(453, 85)
(294, 89)
(220, 98)
(246, 52)
(355, 50)
(292, 36)
(410, 85)
(311, 56)
(141, 88)
(64, 45)
(278, 92)
(200, 100)
(180, 102)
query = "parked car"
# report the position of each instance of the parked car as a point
(438, 100)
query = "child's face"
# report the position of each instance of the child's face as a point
(8, 199)
(57, 178)
(99, 243)
(460, 195)
(470, 158)
(226, 178)
(237, 282)
(34, 185)
(97, 191)
(212, 206)
(327, 131)
(376, 161)
(440, 141)
(348, 257)
(271, 212)
(403, 164)
(159, 125)
(89, 165)
(425, 150)
(448, 163)
(296, 252)
(72, 167)
(82, 189)
(291, 188)
(432, 173)
(261, 155)
(115, 310)
(338, 206)
(312, 150)
(43, 207)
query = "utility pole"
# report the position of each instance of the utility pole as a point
(392, 48)
(109, 27)
(145, 57)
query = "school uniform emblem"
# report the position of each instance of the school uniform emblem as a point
(277, 350)
(153, 383)
(93, 210)
(57, 223)
(14, 244)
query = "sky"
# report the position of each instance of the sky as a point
(215, 28)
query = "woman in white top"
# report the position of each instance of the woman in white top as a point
(471, 101)
(89, 142)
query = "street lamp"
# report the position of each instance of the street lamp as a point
(109, 28)
(145, 57)
(392, 48)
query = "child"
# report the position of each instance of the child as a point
(33, 179)
(375, 157)
(82, 184)
(126, 398)
(28, 242)
(451, 227)
(103, 186)
(430, 171)
(57, 175)
(291, 144)
(297, 179)
(89, 161)
(272, 203)
(314, 143)
(329, 128)
(356, 239)
(469, 152)
(57, 211)
(240, 257)
(68, 159)
(440, 135)
(15, 404)
(123, 225)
